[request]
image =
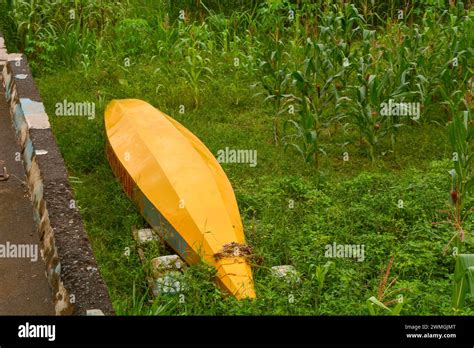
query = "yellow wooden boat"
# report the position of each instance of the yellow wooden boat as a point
(179, 188)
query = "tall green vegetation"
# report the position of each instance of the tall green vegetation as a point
(314, 74)
(461, 135)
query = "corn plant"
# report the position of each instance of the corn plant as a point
(275, 78)
(196, 68)
(243, 65)
(315, 94)
(319, 276)
(456, 57)
(351, 22)
(395, 78)
(273, 15)
(461, 134)
(166, 39)
(360, 106)
(463, 279)
(450, 89)
(360, 98)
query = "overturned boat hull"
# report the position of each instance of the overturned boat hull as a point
(179, 188)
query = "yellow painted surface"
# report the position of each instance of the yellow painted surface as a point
(183, 180)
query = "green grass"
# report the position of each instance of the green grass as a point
(344, 202)
(353, 202)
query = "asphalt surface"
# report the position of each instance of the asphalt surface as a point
(24, 289)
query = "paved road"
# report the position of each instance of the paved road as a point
(23, 286)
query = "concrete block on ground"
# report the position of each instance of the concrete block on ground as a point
(145, 235)
(164, 264)
(167, 275)
(171, 283)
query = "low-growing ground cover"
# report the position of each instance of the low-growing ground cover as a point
(303, 86)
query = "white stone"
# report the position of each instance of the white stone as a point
(145, 235)
(94, 312)
(164, 264)
(171, 283)
(286, 272)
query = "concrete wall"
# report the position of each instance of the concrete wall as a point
(71, 268)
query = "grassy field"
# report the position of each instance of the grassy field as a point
(338, 180)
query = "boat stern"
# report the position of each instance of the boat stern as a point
(235, 275)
